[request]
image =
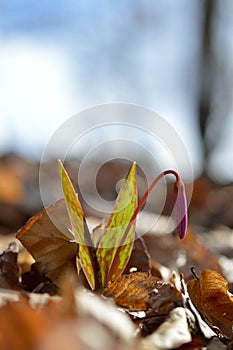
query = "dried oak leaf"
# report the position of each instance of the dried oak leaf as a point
(140, 291)
(53, 248)
(9, 269)
(210, 295)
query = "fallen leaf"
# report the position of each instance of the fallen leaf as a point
(21, 326)
(113, 322)
(52, 246)
(9, 270)
(196, 321)
(35, 281)
(140, 291)
(210, 295)
(180, 254)
(171, 334)
(131, 291)
(11, 186)
(200, 257)
(99, 325)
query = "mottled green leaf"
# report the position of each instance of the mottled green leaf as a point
(79, 228)
(115, 247)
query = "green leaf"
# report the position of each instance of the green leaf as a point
(115, 248)
(80, 229)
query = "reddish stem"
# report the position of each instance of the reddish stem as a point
(140, 205)
(149, 190)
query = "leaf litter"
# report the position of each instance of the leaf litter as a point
(134, 309)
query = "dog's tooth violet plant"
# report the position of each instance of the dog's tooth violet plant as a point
(107, 261)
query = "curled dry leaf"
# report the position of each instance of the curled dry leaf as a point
(195, 321)
(210, 295)
(53, 248)
(140, 291)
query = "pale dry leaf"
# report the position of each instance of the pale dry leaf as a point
(105, 312)
(171, 334)
(99, 326)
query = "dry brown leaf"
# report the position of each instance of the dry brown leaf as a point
(140, 291)
(11, 186)
(200, 257)
(210, 295)
(9, 270)
(42, 322)
(35, 281)
(179, 254)
(54, 249)
(21, 326)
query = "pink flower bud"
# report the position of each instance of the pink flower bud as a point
(180, 208)
(180, 203)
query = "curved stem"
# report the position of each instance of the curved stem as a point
(140, 205)
(150, 188)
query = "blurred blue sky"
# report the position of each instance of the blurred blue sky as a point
(60, 57)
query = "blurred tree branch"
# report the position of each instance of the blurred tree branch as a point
(206, 73)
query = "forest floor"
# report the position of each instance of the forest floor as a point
(173, 294)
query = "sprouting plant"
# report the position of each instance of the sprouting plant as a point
(108, 260)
